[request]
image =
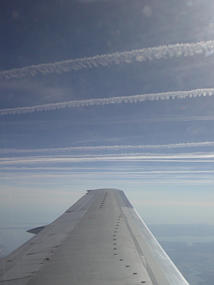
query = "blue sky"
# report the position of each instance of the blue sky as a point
(70, 120)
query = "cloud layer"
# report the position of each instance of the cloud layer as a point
(111, 100)
(140, 55)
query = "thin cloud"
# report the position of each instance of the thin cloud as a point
(108, 147)
(183, 118)
(145, 177)
(112, 100)
(140, 55)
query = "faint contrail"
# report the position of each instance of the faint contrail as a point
(108, 147)
(139, 55)
(72, 171)
(111, 100)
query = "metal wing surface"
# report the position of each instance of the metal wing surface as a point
(100, 240)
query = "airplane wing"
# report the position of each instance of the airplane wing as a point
(100, 240)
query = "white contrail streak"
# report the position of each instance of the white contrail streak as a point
(108, 148)
(184, 157)
(111, 100)
(125, 57)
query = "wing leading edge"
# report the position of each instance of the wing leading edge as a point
(100, 240)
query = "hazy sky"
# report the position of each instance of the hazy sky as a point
(97, 94)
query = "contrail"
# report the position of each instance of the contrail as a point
(67, 171)
(108, 147)
(131, 157)
(139, 55)
(111, 100)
